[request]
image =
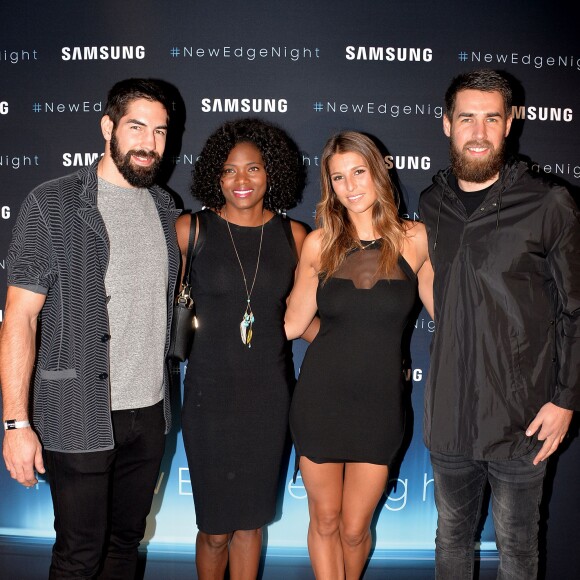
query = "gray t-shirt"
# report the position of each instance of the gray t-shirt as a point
(136, 284)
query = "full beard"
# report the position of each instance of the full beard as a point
(135, 175)
(476, 170)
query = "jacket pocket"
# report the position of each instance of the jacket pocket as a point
(517, 379)
(58, 375)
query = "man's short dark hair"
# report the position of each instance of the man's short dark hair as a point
(485, 80)
(125, 92)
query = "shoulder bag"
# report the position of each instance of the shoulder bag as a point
(184, 322)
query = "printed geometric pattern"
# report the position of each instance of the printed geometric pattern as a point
(60, 248)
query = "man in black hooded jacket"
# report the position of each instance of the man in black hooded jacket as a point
(505, 359)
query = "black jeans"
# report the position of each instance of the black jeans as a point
(516, 492)
(101, 499)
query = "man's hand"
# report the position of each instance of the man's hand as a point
(553, 422)
(22, 455)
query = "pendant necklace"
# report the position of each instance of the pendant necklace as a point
(247, 323)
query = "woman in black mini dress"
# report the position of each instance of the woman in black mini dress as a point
(361, 271)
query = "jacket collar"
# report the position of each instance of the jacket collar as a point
(509, 174)
(90, 185)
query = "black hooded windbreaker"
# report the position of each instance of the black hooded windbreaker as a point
(507, 313)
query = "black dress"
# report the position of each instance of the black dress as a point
(236, 399)
(348, 402)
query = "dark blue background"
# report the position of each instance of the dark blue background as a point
(455, 36)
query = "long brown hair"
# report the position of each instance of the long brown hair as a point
(339, 234)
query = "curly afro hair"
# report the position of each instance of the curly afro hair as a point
(281, 159)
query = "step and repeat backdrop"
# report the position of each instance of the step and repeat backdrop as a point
(314, 68)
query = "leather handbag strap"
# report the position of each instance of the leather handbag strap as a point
(193, 247)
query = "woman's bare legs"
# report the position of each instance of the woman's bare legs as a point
(364, 484)
(342, 498)
(324, 483)
(211, 555)
(245, 551)
(242, 549)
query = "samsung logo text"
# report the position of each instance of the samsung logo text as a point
(244, 105)
(389, 53)
(103, 52)
(79, 159)
(542, 113)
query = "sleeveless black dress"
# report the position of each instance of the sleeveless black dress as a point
(236, 399)
(348, 402)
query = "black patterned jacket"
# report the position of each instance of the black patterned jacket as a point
(60, 248)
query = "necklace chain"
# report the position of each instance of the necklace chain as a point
(246, 326)
(368, 245)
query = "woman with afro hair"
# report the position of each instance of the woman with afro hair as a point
(240, 371)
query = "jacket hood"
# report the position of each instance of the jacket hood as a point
(509, 174)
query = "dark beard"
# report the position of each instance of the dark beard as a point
(476, 170)
(136, 176)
